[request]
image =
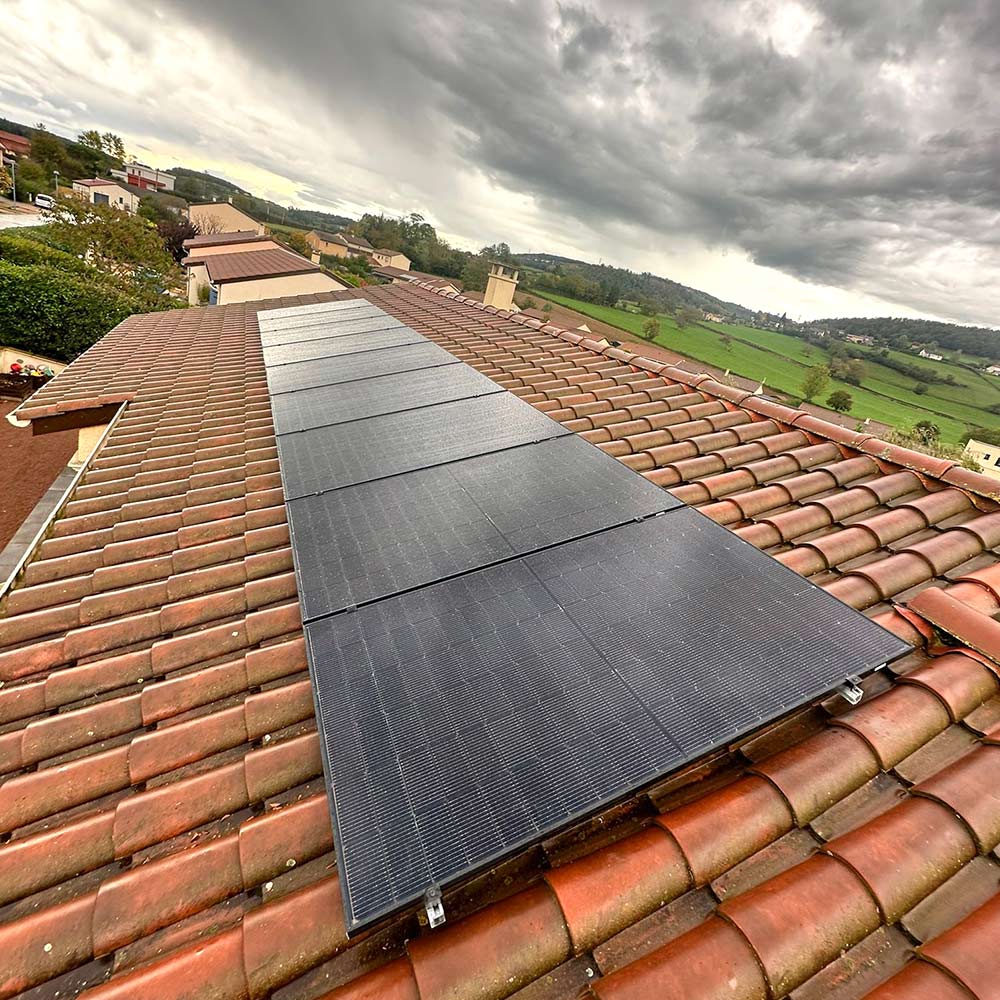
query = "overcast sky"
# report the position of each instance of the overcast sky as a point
(828, 158)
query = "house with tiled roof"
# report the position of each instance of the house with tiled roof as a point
(222, 217)
(347, 245)
(164, 824)
(201, 247)
(250, 272)
(101, 191)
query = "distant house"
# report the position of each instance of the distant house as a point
(993, 370)
(250, 275)
(148, 178)
(391, 258)
(213, 244)
(401, 275)
(222, 217)
(14, 145)
(987, 455)
(346, 245)
(927, 354)
(857, 338)
(100, 191)
(715, 318)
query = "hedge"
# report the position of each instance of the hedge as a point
(28, 250)
(47, 310)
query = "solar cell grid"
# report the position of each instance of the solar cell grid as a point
(329, 458)
(506, 628)
(351, 367)
(392, 393)
(330, 347)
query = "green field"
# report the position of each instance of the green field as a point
(781, 360)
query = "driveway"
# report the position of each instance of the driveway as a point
(10, 220)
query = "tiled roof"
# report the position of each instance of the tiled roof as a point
(255, 264)
(221, 239)
(163, 822)
(99, 182)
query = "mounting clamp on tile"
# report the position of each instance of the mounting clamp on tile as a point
(434, 907)
(851, 690)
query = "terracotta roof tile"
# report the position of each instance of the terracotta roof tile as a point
(160, 779)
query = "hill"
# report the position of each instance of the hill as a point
(613, 284)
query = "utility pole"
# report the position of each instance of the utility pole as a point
(55, 174)
(13, 177)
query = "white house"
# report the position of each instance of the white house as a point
(99, 191)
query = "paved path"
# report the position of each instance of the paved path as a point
(11, 220)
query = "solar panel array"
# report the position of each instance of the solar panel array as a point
(507, 628)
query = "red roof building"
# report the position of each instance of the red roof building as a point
(164, 827)
(15, 145)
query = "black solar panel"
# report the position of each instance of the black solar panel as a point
(331, 457)
(332, 404)
(370, 541)
(468, 718)
(300, 333)
(507, 629)
(331, 347)
(350, 367)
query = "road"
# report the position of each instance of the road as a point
(12, 220)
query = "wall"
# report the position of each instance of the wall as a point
(269, 288)
(118, 197)
(221, 217)
(235, 248)
(197, 276)
(399, 260)
(333, 249)
(8, 355)
(987, 455)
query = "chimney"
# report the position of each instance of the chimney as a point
(314, 256)
(500, 286)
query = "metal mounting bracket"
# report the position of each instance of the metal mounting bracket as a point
(434, 907)
(851, 690)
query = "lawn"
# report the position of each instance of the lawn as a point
(781, 360)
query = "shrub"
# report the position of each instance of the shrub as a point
(51, 312)
(24, 250)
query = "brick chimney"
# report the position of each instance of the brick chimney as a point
(500, 286)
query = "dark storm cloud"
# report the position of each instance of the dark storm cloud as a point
(843, 142)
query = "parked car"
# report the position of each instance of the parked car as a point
(45, 201)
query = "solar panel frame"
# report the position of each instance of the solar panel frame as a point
(328, 458)
(332, 347)
(369, 541)
(356, 366)
(301, 333)
(359, 400)
(501, 671)
(459, 693)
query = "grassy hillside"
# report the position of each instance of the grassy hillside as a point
(781, 362)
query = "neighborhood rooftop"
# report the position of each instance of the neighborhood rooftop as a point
(164, 828)
(222, 239)
(255, 264)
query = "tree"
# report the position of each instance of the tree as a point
(926, 432)
(125, 247)
(726, 340)
(296, 241)
(651, 328)
(47, 150)
(6, 183)
(476, 271)
(91, 139)
(850, 370)
(814, 382)
(840, 400)
(112, 145)
(686, 315)
(529, 303)
(920, 388)
(174, 230)
(547, 308)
